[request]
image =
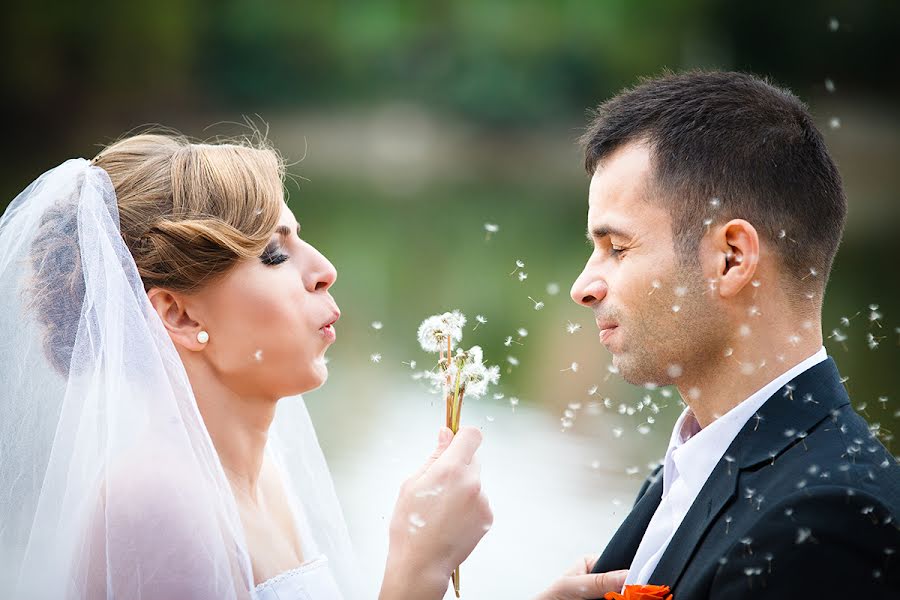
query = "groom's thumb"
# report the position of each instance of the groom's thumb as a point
(594, 585)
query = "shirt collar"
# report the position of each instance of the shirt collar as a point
(693, 451)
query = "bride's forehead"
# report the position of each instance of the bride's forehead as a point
(287, 216)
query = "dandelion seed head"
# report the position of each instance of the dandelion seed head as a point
(375, 358)
(552, 288)
(491, 227)
(523, 275)
(377, 325)
(513, 401)
(715, 202)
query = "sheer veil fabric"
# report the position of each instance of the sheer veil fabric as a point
(110, 486)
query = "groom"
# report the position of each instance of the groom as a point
(715, 212)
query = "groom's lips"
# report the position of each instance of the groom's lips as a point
(607, 328)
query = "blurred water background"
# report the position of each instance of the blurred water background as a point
(410, 126)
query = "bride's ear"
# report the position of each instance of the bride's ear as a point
(736, 252)
(173, 312)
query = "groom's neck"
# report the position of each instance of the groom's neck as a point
(713, 389)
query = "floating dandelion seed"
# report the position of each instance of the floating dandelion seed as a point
(617, 432)
(874, 315)
(643, 429)
(258, 355)
(520, 264)
(754, 311)
(834, 123)
(595, 464)
(523, 276)
(375, 358)
(744, 330)
(833, 24)
(513, 402)
(377, 325)
(676, 308)
(794, 339)
(707, 223)
(674, 371)
(411, 364)
(694, 393)
(498, 396)
(512, 360)
(573, 367)
(522, 332)
(839, 336)
(572, 327)
(872, 341)
(803, 535)
(829, 86)
(416, 522)
(632, 471)
(552, 289)
(537, 304)
(654, 285)
(715, 202)
(480, 320)
(681, 291)
(490, 229)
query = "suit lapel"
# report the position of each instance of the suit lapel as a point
(620, 550)
(795, 408)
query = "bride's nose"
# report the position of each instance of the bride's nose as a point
(322, 275)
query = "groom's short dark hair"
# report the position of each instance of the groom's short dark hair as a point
(739, 139)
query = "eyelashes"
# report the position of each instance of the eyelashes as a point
(273, 256)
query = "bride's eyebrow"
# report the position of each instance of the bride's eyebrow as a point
(285, 232)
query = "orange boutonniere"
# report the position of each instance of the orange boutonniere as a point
(641, 592)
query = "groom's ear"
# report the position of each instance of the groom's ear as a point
(172, 308)
(736, 256)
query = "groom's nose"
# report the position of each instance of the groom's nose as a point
(588, 289)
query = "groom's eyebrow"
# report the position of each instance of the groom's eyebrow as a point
(601, 231)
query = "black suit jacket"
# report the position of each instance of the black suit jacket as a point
(808, 508)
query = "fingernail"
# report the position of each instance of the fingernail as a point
(444, 435)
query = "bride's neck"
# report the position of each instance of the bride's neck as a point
(238, 426)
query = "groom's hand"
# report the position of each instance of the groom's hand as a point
(580, 584)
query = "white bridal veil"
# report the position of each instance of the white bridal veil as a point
(110, 486)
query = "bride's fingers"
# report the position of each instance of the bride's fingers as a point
(445, 436)
(463, 447)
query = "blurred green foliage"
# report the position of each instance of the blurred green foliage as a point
(518, 77)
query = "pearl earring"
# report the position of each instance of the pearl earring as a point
(202, 337)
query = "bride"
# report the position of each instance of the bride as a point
(160, 314)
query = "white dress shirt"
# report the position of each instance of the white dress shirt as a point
(692, 454)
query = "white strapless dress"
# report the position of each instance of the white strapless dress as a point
(310, 581)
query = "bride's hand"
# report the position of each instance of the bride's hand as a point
(440, 515)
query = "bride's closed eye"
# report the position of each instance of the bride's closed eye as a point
(273, 255)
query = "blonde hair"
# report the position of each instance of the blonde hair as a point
(187, 211)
